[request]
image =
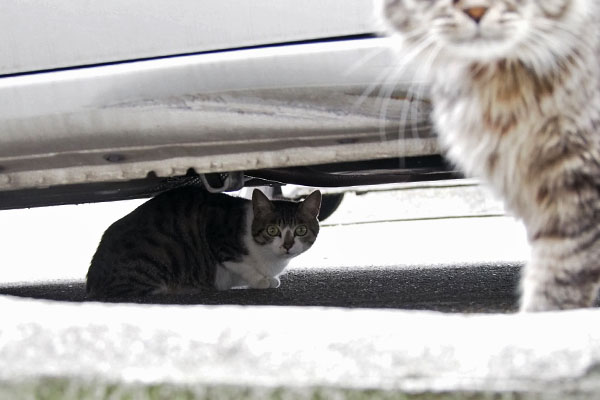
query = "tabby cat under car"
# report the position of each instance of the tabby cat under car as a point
(188, 238)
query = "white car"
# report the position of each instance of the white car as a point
(119, 99)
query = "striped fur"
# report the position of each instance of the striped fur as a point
(188, 239)
(516, 100)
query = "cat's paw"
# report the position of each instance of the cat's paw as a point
(263, 283)
(274, 282)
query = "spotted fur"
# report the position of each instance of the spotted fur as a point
(187, 239)
(515, 86)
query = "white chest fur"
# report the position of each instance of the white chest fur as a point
(504, 137)
(258, 269)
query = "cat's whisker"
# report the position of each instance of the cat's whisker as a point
(535, 60)
(384, 76)
(429, 62)
(546, 58)
(535, 56)
(386, 97)
(408, 109)
(373, 85)
(553, 25)
(417, 76)
(402, 120)
(358, 64)
(545, 28)
(386, 94)
(414, 96)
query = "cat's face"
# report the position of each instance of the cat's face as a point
(285, 228)
(488, 29)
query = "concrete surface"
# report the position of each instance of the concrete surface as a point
(100, 351)
(469, 288)
(72, 350)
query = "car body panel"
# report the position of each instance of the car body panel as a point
(49, 34)
(114, 92)
(227, 111)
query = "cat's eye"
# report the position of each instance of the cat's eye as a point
(301, 230)
(273, 230)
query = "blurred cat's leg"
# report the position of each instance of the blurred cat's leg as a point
(558, 278)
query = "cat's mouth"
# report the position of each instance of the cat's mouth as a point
(480, 36)
(482, 41)
(289, 253)
(479, 45)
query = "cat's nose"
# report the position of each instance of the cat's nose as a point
(288, 241)
(476, 13)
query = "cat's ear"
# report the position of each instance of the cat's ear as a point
(260, 203)
(311, 205)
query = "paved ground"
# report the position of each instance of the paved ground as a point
(468, 288)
